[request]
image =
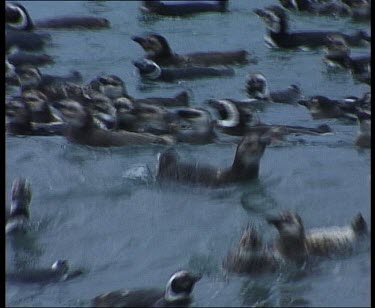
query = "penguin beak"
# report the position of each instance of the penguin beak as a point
(259, 12)
(303, 103)
(274, 220)
(187, 113)
(139, 64)
(140, 40)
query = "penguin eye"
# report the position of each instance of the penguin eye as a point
(33, 99)
(287, 218)
(103, 80)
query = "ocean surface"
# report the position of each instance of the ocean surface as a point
(101, 210)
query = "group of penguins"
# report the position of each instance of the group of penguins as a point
(103, 114)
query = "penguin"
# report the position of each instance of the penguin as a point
(363, 139)
(296, 245)
(279, 36)
(80, 129)
(322, 107)
(237, 121)
(158, 50)
(329, 8)
(201, 130)
(177, 293)
(257, 88)
(59, 271)
(167, 8)
(245, 166)
(19, 214)
(150, 70)
(18, 18)
(251, 256)
(26, 41)
(20, 58)
(337, 54)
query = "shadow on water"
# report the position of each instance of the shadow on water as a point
(337, 74)
(255, 198)
(25, 249)
(206, 265)
(274, 290)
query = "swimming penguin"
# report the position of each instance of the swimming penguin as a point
(39, 107)
(19, 214)
(361, 10)
(150, 70)
(364, 102)
(201, 128)
(146, 118)
(179, 100)
(114, 87)
(337, 54)
(27, 41)
(363, 139)
(237, 121)
(11, 77)
(296, 245)
(59, 271)
(167, 8)
(251, 256)
(322, 107)
(257, 87)
(330, 8)
(158, 50)
(17, 17)
(235, 118)
(276, 20)
(32, 78)
(19, 58)
(245, 165)
(290, 244)
(102, 110)
(19, 118)
(177, 293)
(111, 86)
(62, 89)
(80, 129)
(338, 241)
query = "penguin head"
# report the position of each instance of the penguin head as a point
(148, 68)
(288, 224)
(155, 45)
(250, 241)
(60, 266)
(20, 196)
(274, 17)
(257, 86)
(29, 76)
(180, 286)
(111, 86)
(73, 112)
(336, 46)
(17, 17)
